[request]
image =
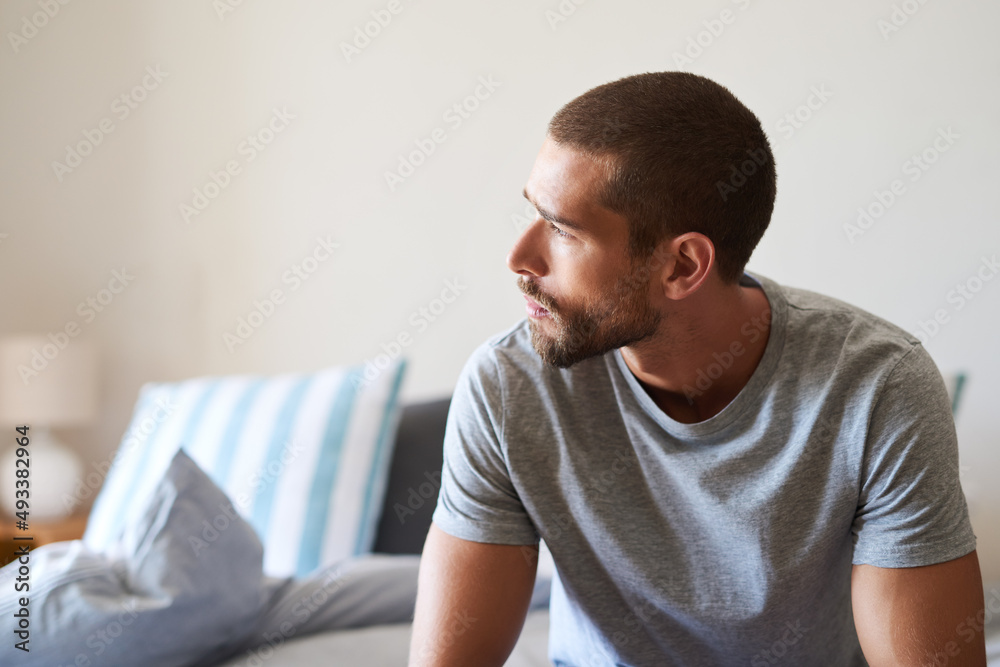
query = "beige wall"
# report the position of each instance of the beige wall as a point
(885, 96)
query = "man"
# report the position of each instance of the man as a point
(726, 471)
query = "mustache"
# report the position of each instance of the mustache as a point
(535, 292)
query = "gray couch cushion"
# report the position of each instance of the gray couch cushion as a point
(414, 478)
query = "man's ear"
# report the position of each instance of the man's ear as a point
(691, 257)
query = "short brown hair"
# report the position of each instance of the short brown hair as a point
(683, 154)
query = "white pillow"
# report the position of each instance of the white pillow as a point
(304, 457)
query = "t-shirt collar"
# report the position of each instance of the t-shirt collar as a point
(751, 394)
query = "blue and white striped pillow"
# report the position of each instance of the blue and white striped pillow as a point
(304, 458)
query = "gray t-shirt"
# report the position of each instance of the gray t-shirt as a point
(724, 542)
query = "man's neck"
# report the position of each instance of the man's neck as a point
(704, 354)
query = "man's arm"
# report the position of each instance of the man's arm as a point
(472, 599)
(917, 615)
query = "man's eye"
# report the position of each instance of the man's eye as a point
(558, 231)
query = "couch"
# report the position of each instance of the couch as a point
(184, 581)
(410, 497)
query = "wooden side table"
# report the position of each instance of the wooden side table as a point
(44, 532)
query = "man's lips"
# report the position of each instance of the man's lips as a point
(534, 309)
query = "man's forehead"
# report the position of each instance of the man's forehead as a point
(566, 178)
(557, 161)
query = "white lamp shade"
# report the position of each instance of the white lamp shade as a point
(47, 381)
(54, 471)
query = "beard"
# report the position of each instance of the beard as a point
(616, 318)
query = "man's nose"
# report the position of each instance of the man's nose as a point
(526, 257)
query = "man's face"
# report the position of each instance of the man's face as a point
(584, 296)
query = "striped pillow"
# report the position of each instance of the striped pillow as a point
(304, 458)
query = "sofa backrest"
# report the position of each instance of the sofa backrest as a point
(414, 478)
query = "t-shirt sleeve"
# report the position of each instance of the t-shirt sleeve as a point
(911, 509)
(477, 500)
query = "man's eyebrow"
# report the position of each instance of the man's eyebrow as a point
(549, 215)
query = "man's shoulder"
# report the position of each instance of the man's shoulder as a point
(811, 312)
(513, 344)
(808, 301)
(824, 333)
(504, 351)
(516, 337)
(509, 358)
